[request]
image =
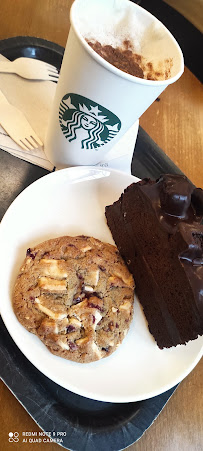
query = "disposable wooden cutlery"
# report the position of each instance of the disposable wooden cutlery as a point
(17, 126)
(32, 69)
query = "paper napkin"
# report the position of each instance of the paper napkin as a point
(34, 99)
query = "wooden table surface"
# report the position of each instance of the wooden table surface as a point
(175, 124)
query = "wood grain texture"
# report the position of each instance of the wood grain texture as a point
(47, 19)
(179, 427)
(175, 124)
(191, 10)
(13, 418)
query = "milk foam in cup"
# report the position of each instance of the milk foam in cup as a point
(95, 102)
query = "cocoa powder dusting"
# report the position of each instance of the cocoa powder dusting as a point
(132, 63)
(123, 59)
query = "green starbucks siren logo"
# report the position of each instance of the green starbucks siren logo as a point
(88, 122)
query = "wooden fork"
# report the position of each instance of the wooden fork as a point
(17, 126)
(30, 68)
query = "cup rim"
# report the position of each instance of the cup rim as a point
(119, 72)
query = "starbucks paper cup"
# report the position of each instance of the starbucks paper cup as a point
(96, 103)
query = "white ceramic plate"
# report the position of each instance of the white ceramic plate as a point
(72, 202)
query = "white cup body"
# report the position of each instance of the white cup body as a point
(95, 104)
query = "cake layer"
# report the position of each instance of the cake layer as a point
(156, 227)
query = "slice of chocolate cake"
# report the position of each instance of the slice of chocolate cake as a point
(156, 227)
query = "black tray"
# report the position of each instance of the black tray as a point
(89, 425)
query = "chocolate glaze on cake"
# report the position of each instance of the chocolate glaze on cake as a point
(156, 227)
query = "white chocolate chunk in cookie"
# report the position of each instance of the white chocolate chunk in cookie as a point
(77, 309)
(48, 312)
(96, 277)
(98, 317)
(125, 306)
(88, 289)
(111, 343)
(96, 350)
(116, 281)
(63, 345)
(75, 322)
(82, 341)
(53, 285)
(125, 332)
(127, 279)
(114, 310)
(56, 329)
(49, 326)
(119, 279)
(92, 278)
(52, 268)
(86, 248)
(27, 263)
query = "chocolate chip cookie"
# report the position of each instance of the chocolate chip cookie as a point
(76, 295)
